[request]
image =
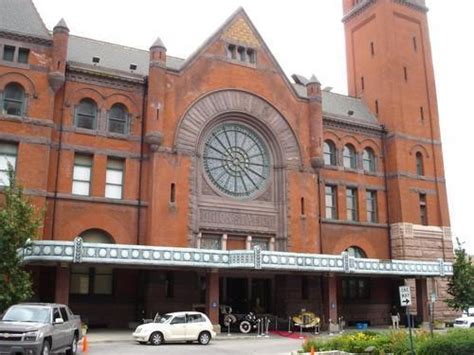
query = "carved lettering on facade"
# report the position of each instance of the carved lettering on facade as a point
(235, 220)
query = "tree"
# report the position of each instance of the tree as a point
(461, 284)
(19, 223)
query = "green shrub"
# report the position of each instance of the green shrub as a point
(455, 342)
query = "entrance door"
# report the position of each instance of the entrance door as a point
(237, 295)
(261, 296)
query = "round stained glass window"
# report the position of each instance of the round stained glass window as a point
(236, 160)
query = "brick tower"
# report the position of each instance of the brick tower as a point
(390, 67)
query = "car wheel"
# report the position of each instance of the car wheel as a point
(472, 325)
(245, 327)
(204, 338)
(156, 338)
(45, 350)
(73, 349)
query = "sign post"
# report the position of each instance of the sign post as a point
(405, 301)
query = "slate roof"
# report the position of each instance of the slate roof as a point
(113, 56)
(21, 17)
(338, 105)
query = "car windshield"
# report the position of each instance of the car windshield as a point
(163, 319)
(27, 314)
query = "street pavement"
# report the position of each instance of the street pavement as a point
(248, 346)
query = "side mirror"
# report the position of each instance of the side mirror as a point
(58, 321)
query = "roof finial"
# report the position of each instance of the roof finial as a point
(61, 26)
(158, 44)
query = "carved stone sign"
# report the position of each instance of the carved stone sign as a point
(236, 220)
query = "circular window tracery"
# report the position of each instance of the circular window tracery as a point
(236, 160)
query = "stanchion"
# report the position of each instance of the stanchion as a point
(301, 331)
(258, 328)
(267, 323)
(289, 325)
(228, 329)
(276, 323)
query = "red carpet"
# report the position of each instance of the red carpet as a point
(294, 335)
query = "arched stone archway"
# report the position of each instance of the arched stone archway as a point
(238, 220)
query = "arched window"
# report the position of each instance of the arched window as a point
(349, 157)
(368, 160)
(96, 236)
(420, 171)
(86, 114)
(329, 153)
(356, 252)
(13, 100)
(118, 119)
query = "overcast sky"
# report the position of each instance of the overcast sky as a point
(305, 36)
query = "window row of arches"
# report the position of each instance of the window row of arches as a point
(13, 100)
(349, 157)
(87, 115)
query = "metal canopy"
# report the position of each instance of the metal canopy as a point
(77, 251)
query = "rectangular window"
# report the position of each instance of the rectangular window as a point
(8, 53)
(91, 281)
(376, 107)
(422, 113)
(331, 201)
(371, 198)
(405, 73)
(263, 243)
(23, 54)
(8, 156)
(355, 289)
(362, 83)
(372, 48)
(114, 178)
(423, 210)
(81, 179)
(415, 46)
(211, 242)
(351, 204)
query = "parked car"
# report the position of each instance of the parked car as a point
(39, 328)
(466, 321)
(175, 327)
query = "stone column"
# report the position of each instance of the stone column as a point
(61, 292)
(212, 298)
(330, 300)
(224, 242)
(248, 242)
(422, 300)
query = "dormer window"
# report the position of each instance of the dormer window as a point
(241, 54)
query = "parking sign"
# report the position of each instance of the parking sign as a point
(405, 296)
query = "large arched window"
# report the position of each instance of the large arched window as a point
(118, 119)
(356, 252)
(329, 153)
(13, 100)
(350, 161)
(86, 280)
(86, 114)
(368, 160)
(420, 170)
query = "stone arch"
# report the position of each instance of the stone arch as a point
(123, 99)
(77, 95)
(219, 103)
(419, 148)
(22, 79)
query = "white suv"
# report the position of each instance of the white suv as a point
(466, 321)
(176, 327)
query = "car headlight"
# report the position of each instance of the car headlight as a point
(138, 330)
(33, 336)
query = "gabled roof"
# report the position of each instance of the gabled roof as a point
(21, 17)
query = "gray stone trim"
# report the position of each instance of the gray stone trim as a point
(28, 120)
(408, 137)
(81, 73)
(355, 224)
(102, 133)
(403, 174)
(423, 191)
(418, 5)
(48, 42)
(24, 139)
(110, 152)
(256, 259)
(96, 199)
(332, 121)
(351, 184)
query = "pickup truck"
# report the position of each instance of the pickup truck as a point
(39, 328)
(466, 321)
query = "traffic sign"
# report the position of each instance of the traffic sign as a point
(405, 296)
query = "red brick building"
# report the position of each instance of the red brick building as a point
(173, 183)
